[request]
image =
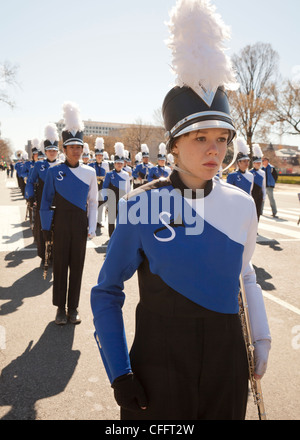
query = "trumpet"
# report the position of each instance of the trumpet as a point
(246, 327)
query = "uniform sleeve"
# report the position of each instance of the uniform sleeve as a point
(135, 172)
(230, 179)
(257, 312)
(107, 297)
(93, 204)
(105, 187)
(46, 213)
(264, 185)
(32, 178)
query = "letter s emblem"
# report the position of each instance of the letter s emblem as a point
(173, 235)
(61, 176)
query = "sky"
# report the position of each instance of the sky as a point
(110, 56)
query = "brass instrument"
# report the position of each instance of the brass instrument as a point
(48, 252)
(100, 179)
(246, 327)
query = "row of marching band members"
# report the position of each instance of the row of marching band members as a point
(66, 193)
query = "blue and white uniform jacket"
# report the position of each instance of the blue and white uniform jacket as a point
(142, 171)
(259, 183)
(27, 168)
(118, 182)
(38, 176)
(241, 180)
(197, 247)
(101, 170)
(70, 185)
(158, 172)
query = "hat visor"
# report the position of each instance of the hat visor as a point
(202, 125)
(73, 142)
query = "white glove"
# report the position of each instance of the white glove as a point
(91, 235)
(261, 354)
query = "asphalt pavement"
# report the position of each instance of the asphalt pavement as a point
(55, 373)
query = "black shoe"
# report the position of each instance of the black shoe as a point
(275, 216)
(61, 317)
(74, 317)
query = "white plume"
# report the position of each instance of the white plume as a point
(35, 143)
(86, 149)
(71, 114)
(62, 157)
(138, 157)
(144, 148)
(51, 133)
(162, 149)
(197, 43)
(99, 143)
(170, 158)
(105, 155)
(257, 152)
(242, 146)
(41, 147)
(119, 149)
(24, 155)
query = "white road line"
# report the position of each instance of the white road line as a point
(279, 230)
(281, 223)
(11, 235)
(11, 184)
(281, 302)
(282, 213)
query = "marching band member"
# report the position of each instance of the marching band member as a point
(101, 169)
(161, 170)
(259, 184)
(36, 181)
(141, 171)
(86, 154)
(28, 165)
(242, 178)
(115, 186)
(71, 192)
(127, 165)
(188, 359)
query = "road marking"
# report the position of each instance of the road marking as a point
(281, 302)
(11, 229)
(279, 230)
(11, 184)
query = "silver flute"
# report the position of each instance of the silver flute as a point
(247, 333)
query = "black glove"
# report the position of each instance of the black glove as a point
(47, 235)
(129, 393)
(31, 201)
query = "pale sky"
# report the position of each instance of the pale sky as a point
(110, 56)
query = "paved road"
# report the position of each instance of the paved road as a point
(55, 373)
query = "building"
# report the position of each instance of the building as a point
(93, 128)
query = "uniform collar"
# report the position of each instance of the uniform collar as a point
(178, 184)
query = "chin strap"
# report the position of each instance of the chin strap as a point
(180, 170)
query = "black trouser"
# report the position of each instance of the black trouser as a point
(69, 246)
(191, 362)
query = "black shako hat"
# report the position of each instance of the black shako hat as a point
(203, 71)
(51, 137)
(185, 111)
(74, 127)
(72, 138)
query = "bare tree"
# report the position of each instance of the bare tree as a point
(5, 150)
(8, 75)
(286, 111)
(256, 65)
